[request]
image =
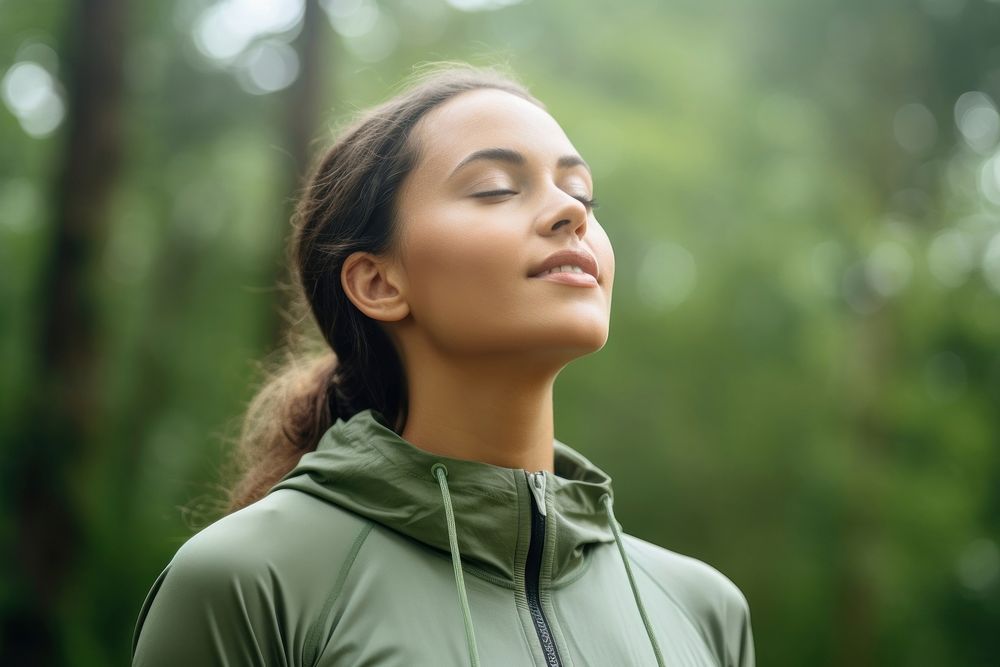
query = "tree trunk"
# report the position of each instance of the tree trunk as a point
(62, 417)
(303, 113)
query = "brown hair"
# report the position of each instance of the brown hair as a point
(347, 205)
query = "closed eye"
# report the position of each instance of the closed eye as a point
(494, 193)
(590, 203)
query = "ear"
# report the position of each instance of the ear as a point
(372, 283)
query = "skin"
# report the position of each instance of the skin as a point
(481, 342)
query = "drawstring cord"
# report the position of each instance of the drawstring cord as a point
(441, 472)
(606, 499)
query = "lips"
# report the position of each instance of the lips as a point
(572, 257)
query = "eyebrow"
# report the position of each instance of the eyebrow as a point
(514, 157)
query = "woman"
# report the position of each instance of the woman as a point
(450, 256)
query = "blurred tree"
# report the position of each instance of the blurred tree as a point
(306, 99)
(60, 423)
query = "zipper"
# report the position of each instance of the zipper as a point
(533, 567)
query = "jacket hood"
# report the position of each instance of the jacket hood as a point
(363, 466)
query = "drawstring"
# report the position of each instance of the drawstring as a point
(441, 472)
(606, 499)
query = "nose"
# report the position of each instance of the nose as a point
(564, 213)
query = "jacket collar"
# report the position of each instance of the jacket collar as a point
(362, 465)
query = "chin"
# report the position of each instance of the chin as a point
(578, 341)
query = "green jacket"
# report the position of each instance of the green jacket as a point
(372, 551)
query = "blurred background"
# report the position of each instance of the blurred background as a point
(802, 382)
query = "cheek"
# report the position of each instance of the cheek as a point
(459, 268)
(601, 245)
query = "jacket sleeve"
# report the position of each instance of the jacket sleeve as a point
(740, 646)
(209, 606)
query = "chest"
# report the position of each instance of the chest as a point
(400, 606)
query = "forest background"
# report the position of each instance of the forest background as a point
(802, 382)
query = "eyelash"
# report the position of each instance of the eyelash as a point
(591, 204)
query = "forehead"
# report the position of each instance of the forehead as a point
(488, 118)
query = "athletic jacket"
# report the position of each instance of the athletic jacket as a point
(372, 551)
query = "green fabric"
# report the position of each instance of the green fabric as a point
(362, 555)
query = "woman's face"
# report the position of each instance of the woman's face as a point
(475, 229)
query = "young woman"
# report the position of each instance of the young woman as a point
(410, 505)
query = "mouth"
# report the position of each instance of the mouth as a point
(567, 275)
(575, 265)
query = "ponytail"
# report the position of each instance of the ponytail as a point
(286, 419)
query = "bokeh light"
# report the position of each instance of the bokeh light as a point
(268, 66)
(977, 120)
(33, 95)
(225, 29)
(915, 128)
(950, 256)
(667, 276)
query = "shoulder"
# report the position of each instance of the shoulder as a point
(258, 576)
(284, 532)
(696, 585)
(713, 602)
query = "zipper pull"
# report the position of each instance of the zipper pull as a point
(536, 482)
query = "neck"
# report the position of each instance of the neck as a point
(487, 409)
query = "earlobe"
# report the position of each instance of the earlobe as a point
(371, 284)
